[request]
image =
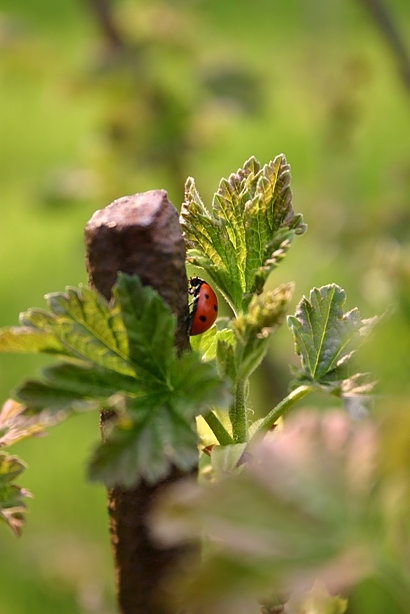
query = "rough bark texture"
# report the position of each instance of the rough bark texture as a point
(141, 235)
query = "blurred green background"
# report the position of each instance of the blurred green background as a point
(100, 100)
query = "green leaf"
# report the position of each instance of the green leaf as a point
(90, 329)
(326, 337)
(205, 344)
(157, 430)
(79, 324)
(145, 449)
(27, 340)
(113, 347)
(70, 387)
(151, 342)
(248, 231)
(121, 356)
(12, 497)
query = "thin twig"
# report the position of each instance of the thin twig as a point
(388, 28)
(105, 18)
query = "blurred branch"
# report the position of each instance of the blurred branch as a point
(385, 23)
(104, 16)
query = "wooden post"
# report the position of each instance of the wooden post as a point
(141, 235)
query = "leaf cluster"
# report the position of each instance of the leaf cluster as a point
(248, 231)
(238, 243)
(118, 356)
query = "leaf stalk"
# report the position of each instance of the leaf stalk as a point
(218, 429)
(237, 413)
(282, 408)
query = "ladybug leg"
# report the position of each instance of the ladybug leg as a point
(194, 283)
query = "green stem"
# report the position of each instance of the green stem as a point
(282, 408)
(218, 429)
(237, 413)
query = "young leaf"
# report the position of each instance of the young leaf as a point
(12, 497)
(248, 232)
(253, 330)
(325, 337)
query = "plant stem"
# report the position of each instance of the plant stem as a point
(237, 413)
(218, 429)
(282, 408)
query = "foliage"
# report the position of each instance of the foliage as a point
(120, 357)
(270, 522)
(293, 513)
(12, 496)
(245, 236)
(320, 498)
(348, 151)
(13, 428)
(325, 338)
(248, 232)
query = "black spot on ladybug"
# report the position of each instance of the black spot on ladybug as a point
(203, 318)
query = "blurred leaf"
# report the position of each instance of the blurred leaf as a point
(14, 426)
(225, 458)
(325, 340)
(248, 232)
(319, 601)
(302, 508)
(12, 497)
(237, 86)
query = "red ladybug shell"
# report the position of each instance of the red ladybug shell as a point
(204, 306)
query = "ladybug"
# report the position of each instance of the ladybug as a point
(204, 306)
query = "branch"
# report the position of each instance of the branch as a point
(141, 235)
(385, 23)
(103, 13)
